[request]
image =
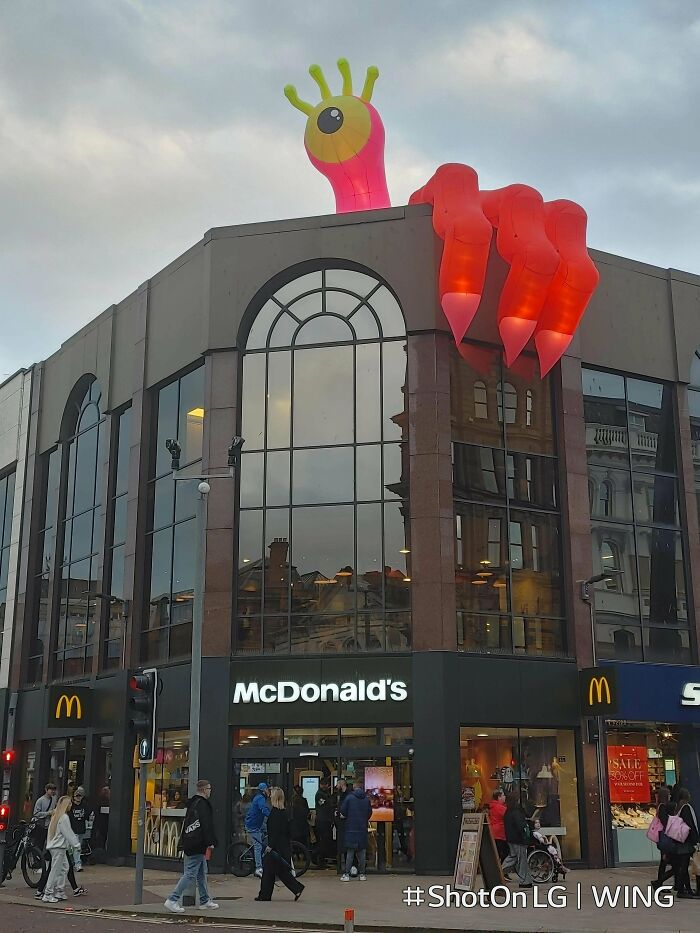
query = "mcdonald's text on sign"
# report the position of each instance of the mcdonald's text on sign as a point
(69, 706)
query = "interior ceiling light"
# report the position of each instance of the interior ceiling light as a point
(195, 413)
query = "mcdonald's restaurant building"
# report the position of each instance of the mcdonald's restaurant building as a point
(393, 575)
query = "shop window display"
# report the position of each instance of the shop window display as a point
(539, 764)
(166, 795)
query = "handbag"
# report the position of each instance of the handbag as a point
(655, 827)
(677, 829)
(666, 845)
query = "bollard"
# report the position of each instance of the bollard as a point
(349, 925)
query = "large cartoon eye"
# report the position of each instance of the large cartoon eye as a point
(338, 128)
(330, 120)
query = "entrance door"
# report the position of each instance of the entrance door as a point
(247, 774)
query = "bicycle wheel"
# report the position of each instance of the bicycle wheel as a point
(34, 862)
(541, 865)
(300, 858)
(240, 859)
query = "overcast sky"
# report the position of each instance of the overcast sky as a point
(130, 127)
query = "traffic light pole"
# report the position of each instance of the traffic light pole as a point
(197, 626)
(140, 835)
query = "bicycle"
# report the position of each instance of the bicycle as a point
(23, 849)
(240, 859)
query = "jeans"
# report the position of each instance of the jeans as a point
(361, 860)
(195, 870)
(56, 881)
(518, 860)
(77, 852)
(259, 843)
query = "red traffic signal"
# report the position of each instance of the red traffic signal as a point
(4, 816)
(9, 757)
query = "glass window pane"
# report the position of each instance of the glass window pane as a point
(251, 479)
(9, 483)
(369, 556)
(323, 735)
(369, 475)
(249, 563)
(181, 640)
(478, 473)
(255, 735)
(395, 390)
(260, 328)
(484, 634)
(323, 394)
(184, 562)
(662, 576)
(480, 551)
(191, 417)
(324, 475)
(532, 480)
(307, 306)
(389, 313)
(123, 449)
(81, 540)
(279, 398)
(119, 534)
(161, 566)
(85, 471)
(324, 329)
(655, 499)
(323, 634)
(117, 573)
(341, 303)
(154, 645)
(395, 482)
(323, 541)
(610, 493)
(367, 386)
(667, 646)
(278, 478)
(167, 425)
(253, 400)
(606, 418)
(549, 758)
(397, 567)
(536, 578)
(299, 285)
(614, 549)
(248, 638)
(186, 497)
(277, 564)
(283, 332)
(364, 323)
(163, 504)
(276, 635)
(651, 426)
(53, 472)
(475, 402)
(353, 281)
(618, 640)
(363, 735)
(398, 631)
(527, 401)
(370, 631)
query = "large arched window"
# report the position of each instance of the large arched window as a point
(81, 530)
(323, 550)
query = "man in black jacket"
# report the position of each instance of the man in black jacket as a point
(323, 825)
(197, 840)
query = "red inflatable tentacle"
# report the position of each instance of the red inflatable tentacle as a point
(575, 281)
(460, 222)
(518, 213)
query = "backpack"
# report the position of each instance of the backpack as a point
(192, 836)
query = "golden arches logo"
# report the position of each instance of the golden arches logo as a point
(601, 686)
(69, 702)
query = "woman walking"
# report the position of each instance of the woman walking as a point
(277, 861)
(516, 827)
(60, 839)
(681, 858)
(664, 809)
(496, 809)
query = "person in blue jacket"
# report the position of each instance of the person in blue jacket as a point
(258, 812)
(355, 810)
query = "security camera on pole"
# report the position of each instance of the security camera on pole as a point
(204, 488)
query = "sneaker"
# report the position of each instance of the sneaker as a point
(363, 877)
(38, 895)
(174, 907)
(77, 867)
(79, 891)
(353, 872)
(258, 872)
(49, 899)
(61, 897)
(345, 877)
(209, 905)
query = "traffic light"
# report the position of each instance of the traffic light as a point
(4, 817)
(9, 756)
(142, 711)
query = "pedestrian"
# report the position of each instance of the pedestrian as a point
(356, 811)
(60, 838)
(101, 823)
(300, 817)
(664, 809)
(278, 851)
(78, 889)
(43, 809)
(517, 836)
(681, 858)
(496, 809)
(255, 823)
(79, 814)
(198, 839)
(341, 792)
(323, 825)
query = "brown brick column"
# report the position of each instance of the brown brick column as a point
(578, 566)
(220, 399)
(432, 512)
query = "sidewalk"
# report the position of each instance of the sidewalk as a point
(378, 904)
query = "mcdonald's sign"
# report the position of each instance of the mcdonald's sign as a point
(599, 696)
(69, 706)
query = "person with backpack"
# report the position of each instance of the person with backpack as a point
(518, 835)
(197, 840)
(258, 812)
(356, 811)
(681, 857)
